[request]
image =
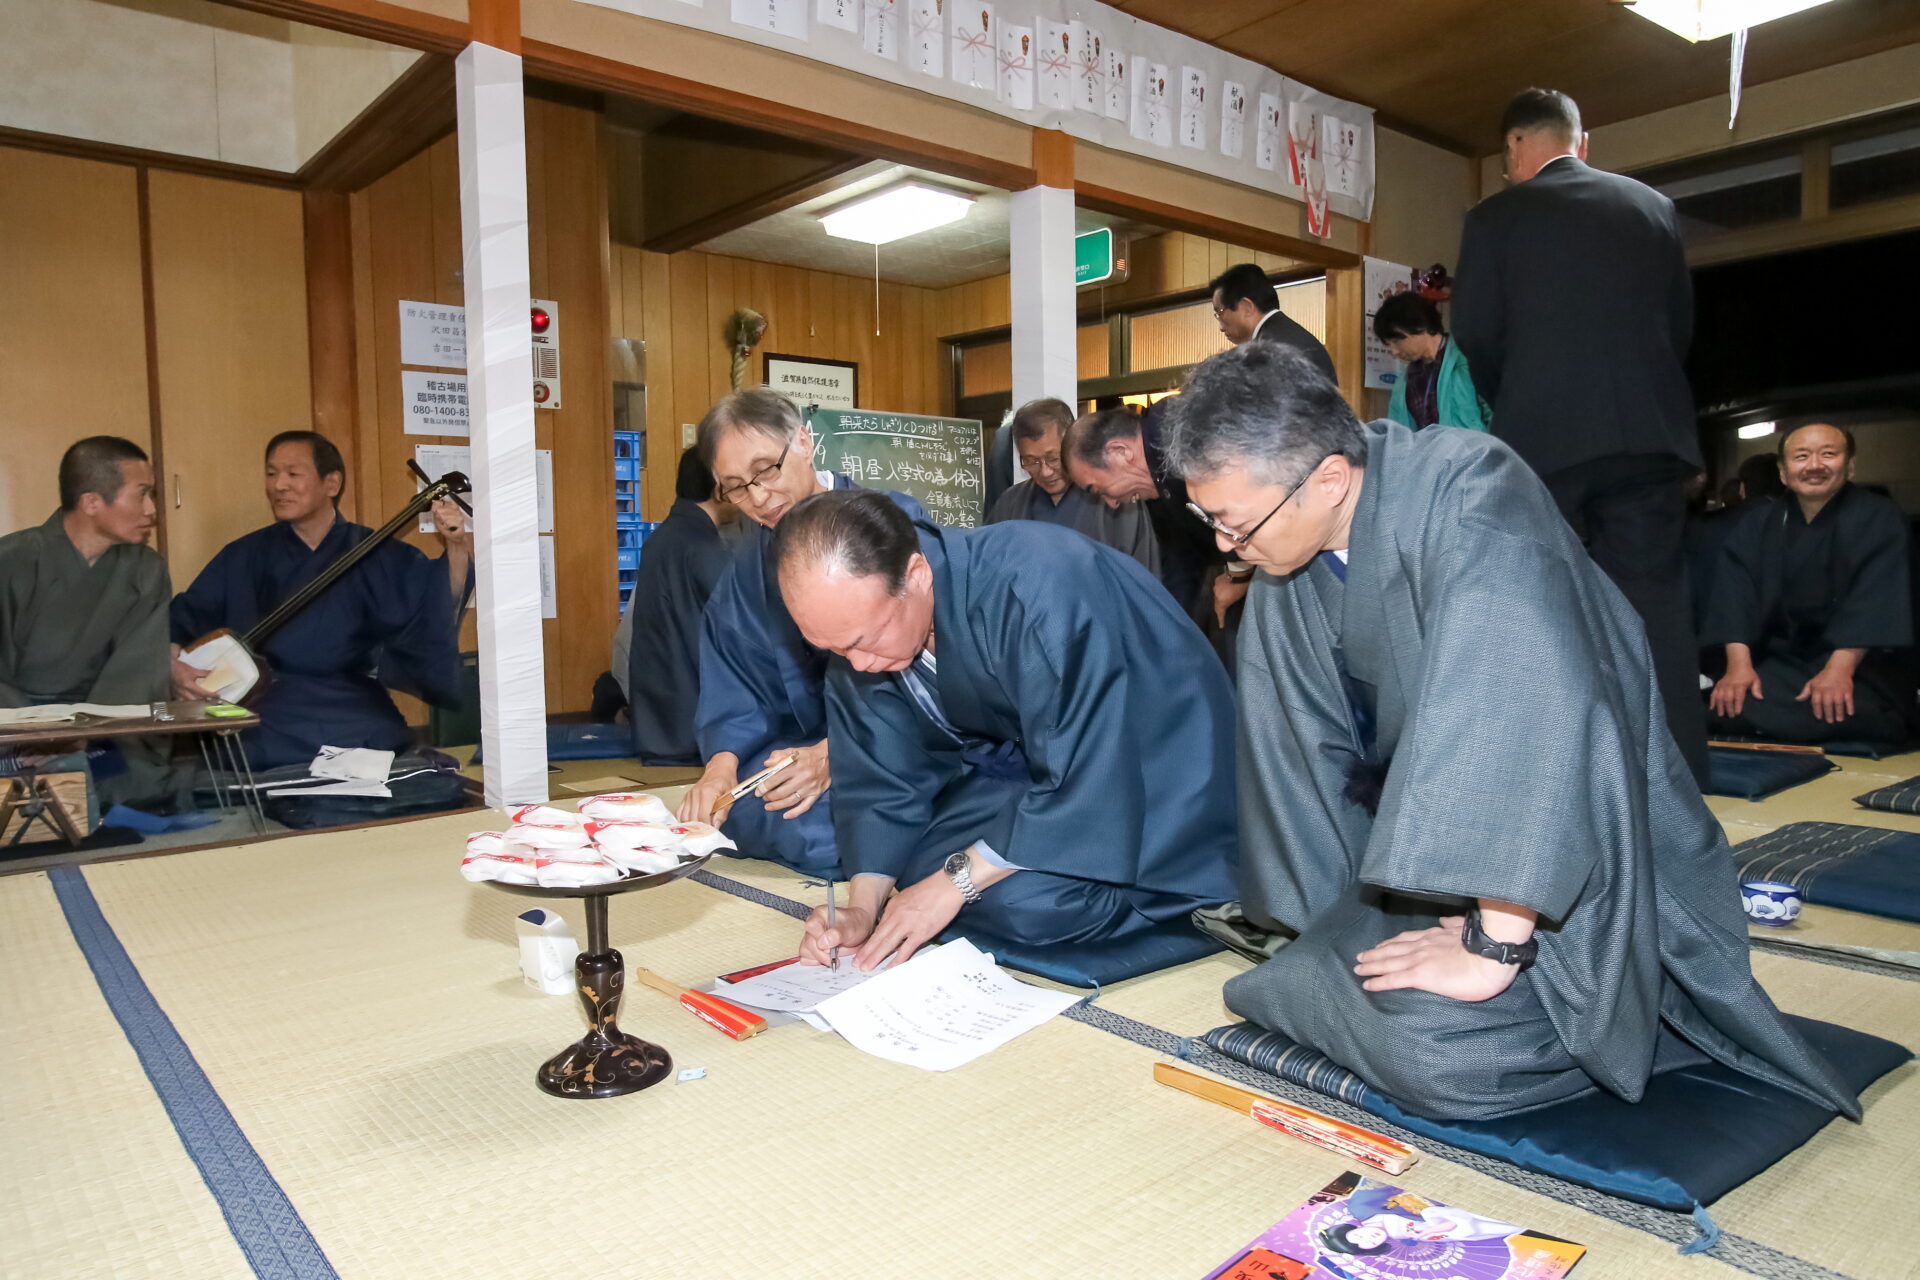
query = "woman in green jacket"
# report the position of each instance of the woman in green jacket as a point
(1434, 385)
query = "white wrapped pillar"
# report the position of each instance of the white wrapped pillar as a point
(1041, 285)
(493, 225)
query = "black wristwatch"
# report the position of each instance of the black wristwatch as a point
(1521, 954)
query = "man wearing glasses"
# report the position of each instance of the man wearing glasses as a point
(1048, 496)
(1457, 787)
(1029, 740)
(761, 697)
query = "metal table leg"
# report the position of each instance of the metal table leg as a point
(256, 807)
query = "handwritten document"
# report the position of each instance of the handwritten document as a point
(940, 1010)
(794, 988)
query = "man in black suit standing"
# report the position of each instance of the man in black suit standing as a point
(1248, 310)
(1574, 308)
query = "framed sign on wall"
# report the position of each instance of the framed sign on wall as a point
(807, 381)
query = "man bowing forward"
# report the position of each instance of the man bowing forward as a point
(1027, 733)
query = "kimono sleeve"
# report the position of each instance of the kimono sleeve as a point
(1513, 774)
(137, 670)
(1733, 613)
(420, 650)
(205, 605)
(1875, 612)
(885, 774)
(733, 642)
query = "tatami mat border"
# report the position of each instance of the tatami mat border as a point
(266, 1226)
(1839, 959)
(1681, 1229)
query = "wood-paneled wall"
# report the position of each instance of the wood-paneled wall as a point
(678, 305)
(228, 336)
(73, 334)
(406, 233)
(1170, 263)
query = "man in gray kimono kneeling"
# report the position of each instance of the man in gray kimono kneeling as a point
(1457, 787)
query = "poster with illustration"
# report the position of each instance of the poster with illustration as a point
(1355, 1228)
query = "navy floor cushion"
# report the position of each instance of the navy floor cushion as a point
(1094, 964)
(1835, 864)
(1748, 774)
(1871, 750)
(1697, 1133)
(1898, 797)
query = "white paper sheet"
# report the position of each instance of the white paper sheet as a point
(61, 712)
(974, 63)
(1340, 154)
(1193, 108)
(880, 33)
(1271, 136)
(438, 459)
(1119, 86)
(1054, 61)
(549, 588)
(1016, 66)
(941, 1009)
(1089, 69)
(352, 764)
(781, 17)
(797, 988)
(1233, 119)
(926, 49)
(843, 14)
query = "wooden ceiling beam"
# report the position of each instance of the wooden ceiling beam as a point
(410, 115)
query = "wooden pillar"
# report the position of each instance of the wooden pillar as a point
(1345, 316)
(331, 353)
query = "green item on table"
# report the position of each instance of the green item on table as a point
(226, 709)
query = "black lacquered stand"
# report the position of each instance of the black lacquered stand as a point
(606, 1062)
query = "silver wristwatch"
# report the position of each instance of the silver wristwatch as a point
(959, 869)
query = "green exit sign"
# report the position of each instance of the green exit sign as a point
(1093, 257)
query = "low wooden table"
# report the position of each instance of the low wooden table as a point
(215, 735)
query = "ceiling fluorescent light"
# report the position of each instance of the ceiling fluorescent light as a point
(1755, 430)
(905, 210)
(1698, 20)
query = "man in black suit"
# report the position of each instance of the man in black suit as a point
(1574, 307)
(1248, 309)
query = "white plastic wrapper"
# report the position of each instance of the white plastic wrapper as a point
(639, 806)
(701, 838)
(573, 869)
(492, 856)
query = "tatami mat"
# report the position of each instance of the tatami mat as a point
(359, 1008)
(95, 1181)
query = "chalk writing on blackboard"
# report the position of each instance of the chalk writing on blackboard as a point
(936, 460)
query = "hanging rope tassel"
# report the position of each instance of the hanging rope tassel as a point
(1709, 1232)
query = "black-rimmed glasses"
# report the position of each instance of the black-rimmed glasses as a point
(1241, 539)
(758, 480)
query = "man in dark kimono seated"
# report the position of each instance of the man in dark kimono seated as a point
(1027, 733)
(761, 697)
(1457, 786)
(389, 622)
(679, 566)
(1810, 595)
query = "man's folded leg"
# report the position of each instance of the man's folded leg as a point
(804, 843)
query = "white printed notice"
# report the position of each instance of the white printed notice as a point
(844, 14)
(1089, 69)
(881, 32)
(438, 459)
(1119, 87)
(941, 1009)
(436, 403)
(549, 591)
(433, 334)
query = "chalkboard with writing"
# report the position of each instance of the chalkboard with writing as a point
(937, 460)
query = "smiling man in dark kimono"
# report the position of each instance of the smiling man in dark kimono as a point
(1027, 733)
(761, 684)
(83, 602)
(1810, 596)
(1457, 785)
(388, 623)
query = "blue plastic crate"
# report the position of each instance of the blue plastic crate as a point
(627, 520)
(626, 444)
(626, 468)
(629, 557)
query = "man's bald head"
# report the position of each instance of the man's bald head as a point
(853, 578)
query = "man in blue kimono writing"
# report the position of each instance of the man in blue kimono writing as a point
(761, 698)
(1457, 785)
(1028, 734)
(388, 623)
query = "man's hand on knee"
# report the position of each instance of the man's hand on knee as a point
(1434, 960)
